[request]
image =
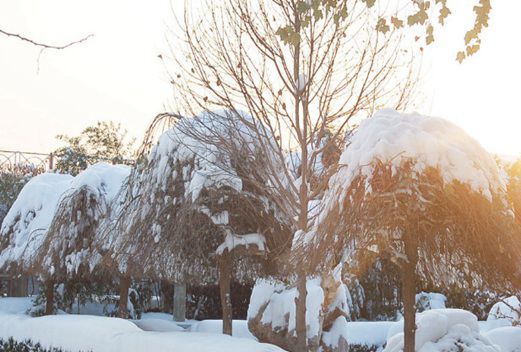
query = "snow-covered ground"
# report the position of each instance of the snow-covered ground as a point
(100, 334)
(157, 332)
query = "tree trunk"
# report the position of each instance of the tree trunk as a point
(124, 285)
(179, 302)
(224, 286)
(300, 314)
(301, 125)
(166, 291)
(409, 295)
(49, 297)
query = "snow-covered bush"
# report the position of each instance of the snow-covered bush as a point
(10, 345)
(40, 300)
(430, 300)
(443, 330)
(26, 225)
(272, 313)
(507, 310)
(479, 302)
(507, 338)
(376, 292)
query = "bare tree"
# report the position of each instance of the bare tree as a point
(298, 70)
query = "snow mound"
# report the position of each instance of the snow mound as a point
(507, 338)
(507, 311)
(103, 179)
(442, 330)
(392, 137)
(15, 305)
(76, 333)
(186, 141)
(430, 300)
(26, 224)
(278, 303)
(159, 325)
(239, 328)
(366, 333)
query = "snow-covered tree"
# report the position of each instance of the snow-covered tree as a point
(299, 68)
(68, 252)
(422, 193)
(11, 183)
(26, 225)
(194, 212)
(105, 141)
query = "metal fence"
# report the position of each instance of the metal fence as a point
(26, 162)
(35, 163)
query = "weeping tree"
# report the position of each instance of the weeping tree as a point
(68, 253)
(26, 227)
(420, 192)
(193, 212)
(300, 70)
(134, 241)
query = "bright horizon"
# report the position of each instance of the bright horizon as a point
(65, 97)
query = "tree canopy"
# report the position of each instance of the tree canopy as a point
(105, 141)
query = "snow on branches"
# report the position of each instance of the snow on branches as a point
(27, 222)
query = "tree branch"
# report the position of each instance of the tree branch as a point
(43, 45)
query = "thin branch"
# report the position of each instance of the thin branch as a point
(44, 45)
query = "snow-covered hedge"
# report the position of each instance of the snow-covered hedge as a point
(11, 345)
(443, 330)
(430, 300)
(272, 312)
(506, 311)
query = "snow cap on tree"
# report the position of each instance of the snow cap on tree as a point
(26, 225)
(393, 138)
(407, 175)
(188, 200)
(81, 209)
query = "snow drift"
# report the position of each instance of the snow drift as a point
(100, 334)
(442, 330)
(507, 312)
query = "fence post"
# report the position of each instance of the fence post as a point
(51, 162)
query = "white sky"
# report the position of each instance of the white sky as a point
(117, 76)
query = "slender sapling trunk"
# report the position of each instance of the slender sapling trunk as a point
(409, 294)
(224, 286)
